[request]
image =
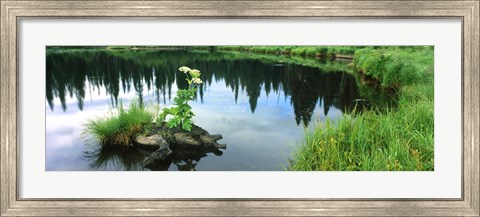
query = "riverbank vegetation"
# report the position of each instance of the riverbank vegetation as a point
(329, 52)
(323, 52)
(398, 138)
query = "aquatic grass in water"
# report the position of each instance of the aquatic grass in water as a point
(119, 128)
(371, 141)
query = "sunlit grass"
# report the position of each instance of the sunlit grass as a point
(121, 125)
(371, 140)
(395, 66)
(304, 51)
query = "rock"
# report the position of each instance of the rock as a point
(221, 146)
(158, 156)
(157, 142)
(178, 145)
(212, 140)
(198, 138)
(151, 142)
(184, 159)
(185, 140)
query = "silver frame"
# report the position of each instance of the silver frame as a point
(11, 11)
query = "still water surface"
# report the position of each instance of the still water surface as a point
(261, 105)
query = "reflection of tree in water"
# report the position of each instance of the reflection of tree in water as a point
(186, 165)
(184, 159)
(110, 156)
(69, 72)
(114, 157)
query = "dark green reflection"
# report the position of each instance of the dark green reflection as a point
(109, 156)
(306, 81)
(113, 156)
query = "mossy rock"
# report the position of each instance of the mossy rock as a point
(176, 143)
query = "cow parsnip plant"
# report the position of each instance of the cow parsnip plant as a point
(181, 111)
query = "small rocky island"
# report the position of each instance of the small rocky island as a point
(166, 137)
(175, 143)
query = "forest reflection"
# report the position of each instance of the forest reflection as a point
(72, 73)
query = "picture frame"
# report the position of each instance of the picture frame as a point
(12, 11)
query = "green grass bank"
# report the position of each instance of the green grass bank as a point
(324, 52)
(399, 138)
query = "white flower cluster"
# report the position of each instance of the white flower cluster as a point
(184, 69)
(197, 81)
(194, 73)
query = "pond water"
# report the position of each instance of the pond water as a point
(260, 104)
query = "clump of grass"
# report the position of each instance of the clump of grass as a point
(121, 126)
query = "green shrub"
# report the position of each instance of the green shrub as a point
(311, 51)
(296, 51)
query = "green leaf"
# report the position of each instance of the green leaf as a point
(187, 126)
(188, 122)
(171, 123)
(162, 116)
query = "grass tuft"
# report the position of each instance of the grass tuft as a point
(121, 126)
